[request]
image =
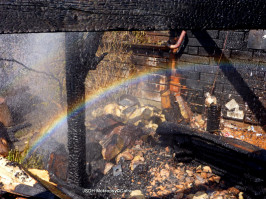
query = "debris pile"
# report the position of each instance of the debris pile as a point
(154, 173)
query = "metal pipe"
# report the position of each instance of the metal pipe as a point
(179, 42)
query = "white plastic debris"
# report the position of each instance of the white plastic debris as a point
(232, 104)
(251, 128)
(236, 114)
(210, 99)
(259, 134)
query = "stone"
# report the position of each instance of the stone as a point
(128, 100)
(190, 196)
(112, 109)
(137, 160)
(184, 108)
(189, 172)
(233, 190)
(207, 169)
(147, 113)
(203, 175)
(121, 137)
(58, 164)
(105, 122)
(134, 116)
(97, 112)
(178, 195)
(113, 147)
(200, 179)
(4, 145)
(240, 195)
(189, 179)
(136, 194)
(200, 195)
(5, 114)
(126, 155)
(108, 167)
(217, 179)
(129, 110)
(164, 173)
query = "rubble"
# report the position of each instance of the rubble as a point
(207, 169)
(108, 167)
(210, 99)
(15, 180)
(136, 194)
(126, 155)
(200, 195)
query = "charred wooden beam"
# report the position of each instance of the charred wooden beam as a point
(19, 16)
(80, 58)
(243, 163)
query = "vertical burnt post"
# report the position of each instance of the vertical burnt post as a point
(80, 58)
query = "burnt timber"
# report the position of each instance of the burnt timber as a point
(24, 16)
(235, 160)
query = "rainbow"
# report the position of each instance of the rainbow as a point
(61, 118)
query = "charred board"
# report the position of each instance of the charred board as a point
(239, 162)
(55, 15)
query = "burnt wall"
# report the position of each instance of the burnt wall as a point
(54, 15)
(240, 74)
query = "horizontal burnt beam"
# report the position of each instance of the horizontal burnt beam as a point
(18, 16)
(235, 160)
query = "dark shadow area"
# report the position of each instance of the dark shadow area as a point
(234, 77)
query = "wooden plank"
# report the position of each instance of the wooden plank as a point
(19, 16)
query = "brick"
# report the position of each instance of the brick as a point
(195, 59)
(155, 96)
(183, 81)
(202, 34)
(159, 79)
(193, 50)
(195, 84)
(262, 67)
(206, 68)
(232, 35)
(259, 56)
(219, 87)
(258, 75)
(209, 78)
(205, 42)
(154, 87)
(198, 100)
(197, 108)
(236, 44)
(259, 92)
(185, 66)
(194, 75)
(206, 51)
(246, 55)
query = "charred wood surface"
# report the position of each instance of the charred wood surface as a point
(80, 58)
(241, 162)
(53, 16)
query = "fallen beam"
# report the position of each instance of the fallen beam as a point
(21, 16)
(238, 161)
